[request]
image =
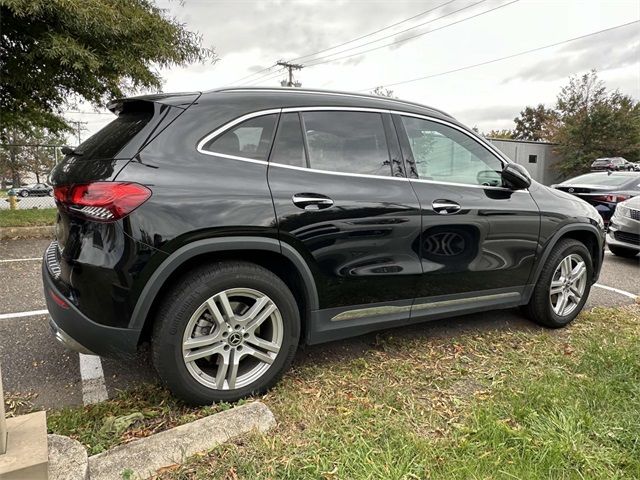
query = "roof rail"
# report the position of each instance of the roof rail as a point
(326, 92)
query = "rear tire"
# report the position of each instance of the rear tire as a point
(24, 193)
(622, 251)
(546, 308)
(211, 308)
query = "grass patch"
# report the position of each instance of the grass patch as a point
(497, 403)
(28, 217)
(131, 414)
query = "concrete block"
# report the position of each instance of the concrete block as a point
(145, 456)
(26, 457)
(67, 459)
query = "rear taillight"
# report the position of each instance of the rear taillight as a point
(611, 198)
(102, 201)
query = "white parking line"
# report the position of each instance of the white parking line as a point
(617, 290)
(94, 390)
(32, 313)
(32, 259)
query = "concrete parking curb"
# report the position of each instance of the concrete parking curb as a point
(142, 458)
(67, 459)
(9, 233)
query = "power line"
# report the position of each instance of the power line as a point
(374, 32)
(88, 113)
(502, 58)
(266, 69)
(254, 73)
(395, 34)
(270, 74)
(265, 80)
(414, 36)
(270, 77)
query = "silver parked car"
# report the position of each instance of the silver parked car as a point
(623, 237)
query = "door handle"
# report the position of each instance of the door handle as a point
(445, 207)
(311, 201)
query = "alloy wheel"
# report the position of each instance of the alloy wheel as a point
(232, 339)
(568, 285)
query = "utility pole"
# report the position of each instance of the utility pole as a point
(79, 126)
(291, 67)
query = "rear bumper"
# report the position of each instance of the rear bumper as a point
(78, 332)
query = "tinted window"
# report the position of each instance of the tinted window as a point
(445, 154)
(288, 147)
(604, 179)
(250, 139)
(112, 138)
(351, 142)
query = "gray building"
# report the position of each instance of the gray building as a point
(537, 157)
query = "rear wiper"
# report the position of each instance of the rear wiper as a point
(70, 151)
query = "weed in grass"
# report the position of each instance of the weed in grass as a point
(132, 414)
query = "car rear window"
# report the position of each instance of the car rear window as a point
(601, 179)
(113, 138)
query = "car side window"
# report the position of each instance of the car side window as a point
(442, 153)
(349, 142)
(288, 147)
(250, 139)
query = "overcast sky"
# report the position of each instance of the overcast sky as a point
(249, 36)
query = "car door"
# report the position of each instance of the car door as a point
(342, 200)
(479, 239)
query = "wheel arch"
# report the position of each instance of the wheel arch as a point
(587, 234)
(281, 259)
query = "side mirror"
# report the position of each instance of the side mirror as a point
(516, 176)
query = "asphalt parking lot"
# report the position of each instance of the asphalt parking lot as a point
(35, 365)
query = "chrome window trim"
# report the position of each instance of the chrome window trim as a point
(343, 174)
(335, 109)
(227, 126)
(260, 113)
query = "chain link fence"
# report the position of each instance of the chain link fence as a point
(24, 171)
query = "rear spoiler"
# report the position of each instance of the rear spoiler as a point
(143, 102)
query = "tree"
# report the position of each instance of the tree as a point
(383, 92)
(595, 123)
(535, 124)
(33, 153)
(11, 164)
(53, 52)
(500, 134)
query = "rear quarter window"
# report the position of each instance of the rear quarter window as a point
(115, 136)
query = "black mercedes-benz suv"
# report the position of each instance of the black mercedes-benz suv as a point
(227, 227)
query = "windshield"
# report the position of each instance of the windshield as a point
(601, 179)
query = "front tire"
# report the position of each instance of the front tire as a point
(24, 193)
(225, 331)
(563, 286)
(622, 251)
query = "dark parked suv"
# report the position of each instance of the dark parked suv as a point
(229, 226)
